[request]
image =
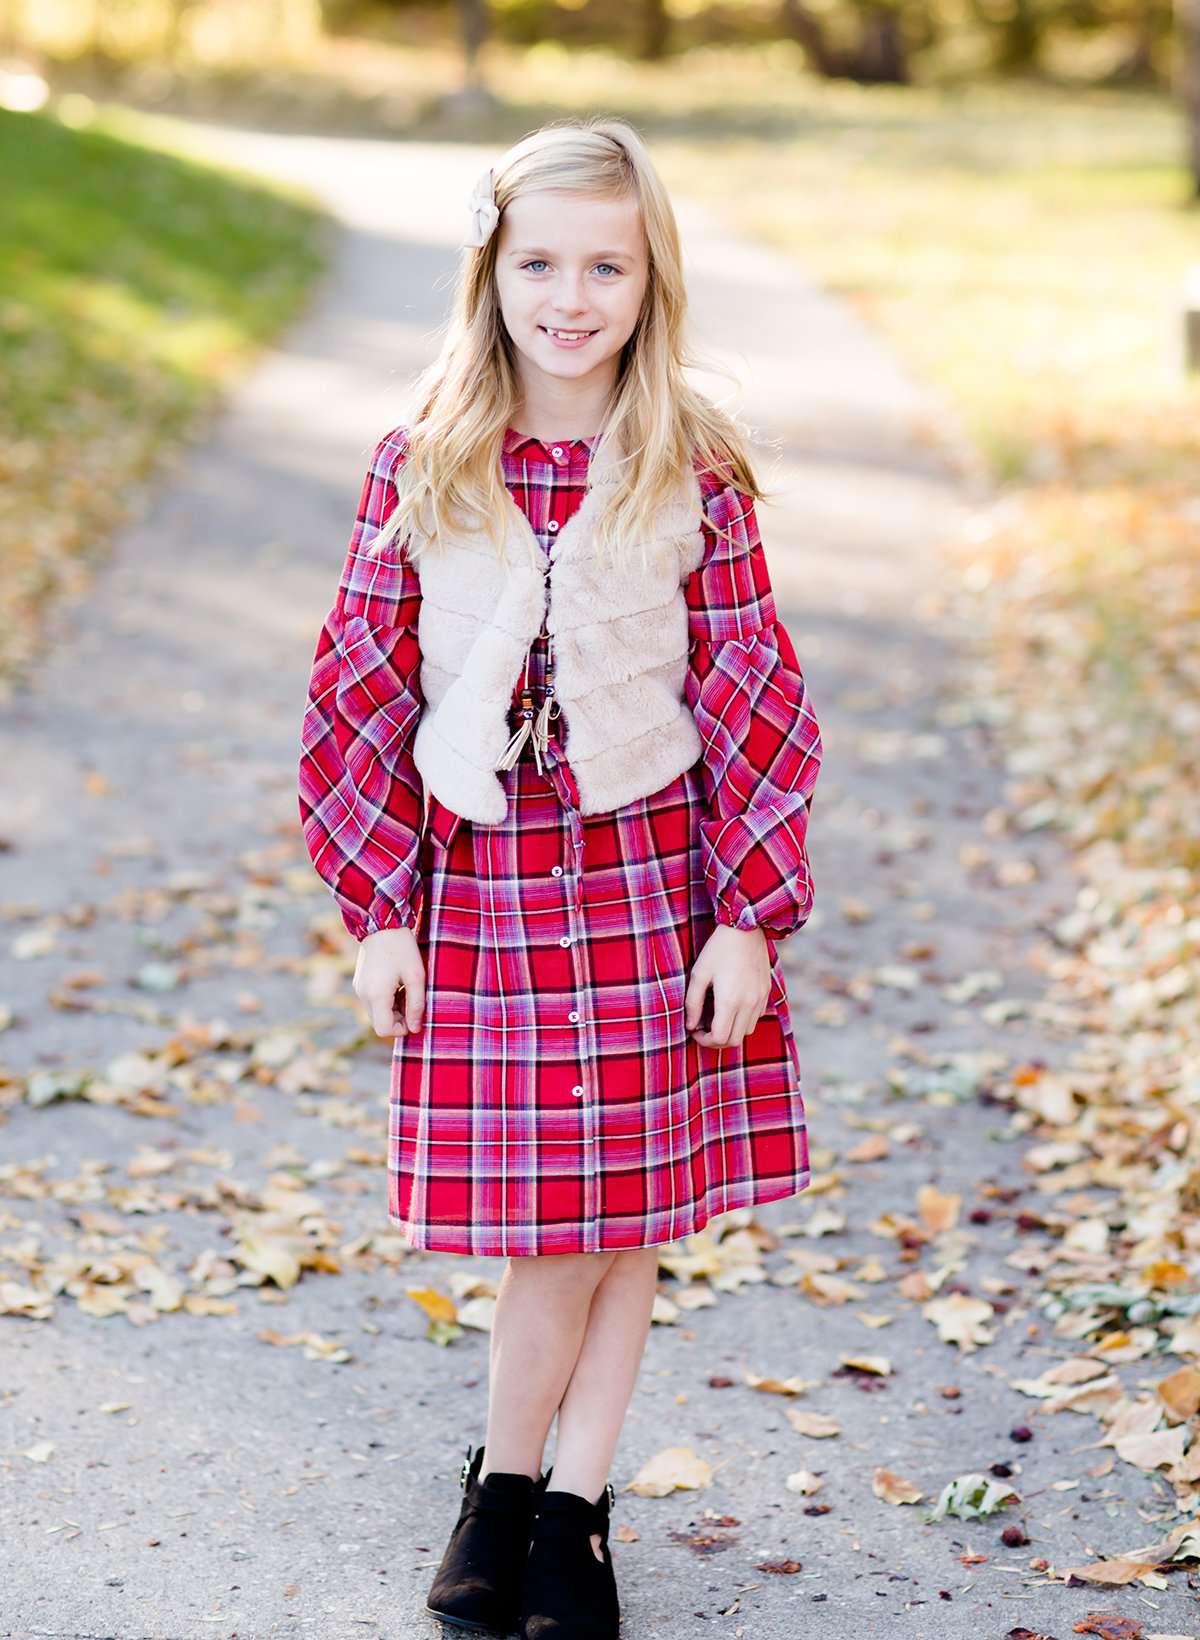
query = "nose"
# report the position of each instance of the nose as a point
(569, 297)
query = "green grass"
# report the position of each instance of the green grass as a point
(135, 284)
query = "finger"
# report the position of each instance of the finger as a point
(414, 1005)
(383, 1020)
(724, 1014)
(693, 1001)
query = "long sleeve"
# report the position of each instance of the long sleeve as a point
(361, 797)
(761, 741)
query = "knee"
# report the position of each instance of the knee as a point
(571, 1269)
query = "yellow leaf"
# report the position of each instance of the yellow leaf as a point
(937, 1212)
(436, 1305)
(203, 1304)
(1181, 1392)
(779, 1386)
(893, 1488)
(815, 1424)
(1150, 1451)
(1165, 1272)
(824, 1289)
(960, 1320)
(1112, 1573)
(871, 1149)
(674, 1468)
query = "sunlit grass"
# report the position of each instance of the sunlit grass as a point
(135, 285)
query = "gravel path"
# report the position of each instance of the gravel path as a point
(149, 815)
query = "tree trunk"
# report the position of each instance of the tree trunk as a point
(1019, 40)
(881, 58)
(473, 20)
(800, 25)
(1189, 83)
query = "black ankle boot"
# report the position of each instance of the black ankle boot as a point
(569, 1594)
(478, 1584)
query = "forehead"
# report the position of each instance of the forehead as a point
(553, 220)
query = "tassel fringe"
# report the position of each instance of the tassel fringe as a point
(513, 750)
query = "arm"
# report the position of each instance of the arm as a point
(761, 741)
(360, 795)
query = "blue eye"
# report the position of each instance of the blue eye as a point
(539, 261)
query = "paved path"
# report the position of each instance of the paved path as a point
(149, 810)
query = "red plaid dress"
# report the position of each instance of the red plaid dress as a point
(553, 1100)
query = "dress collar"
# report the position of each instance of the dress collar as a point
(535, 449)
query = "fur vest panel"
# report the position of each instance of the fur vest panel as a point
(620, 647)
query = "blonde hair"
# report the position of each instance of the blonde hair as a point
(466, 399)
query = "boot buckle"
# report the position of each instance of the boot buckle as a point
(465, 1471)
(612, 1496)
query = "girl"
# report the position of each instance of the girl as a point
(557, 766)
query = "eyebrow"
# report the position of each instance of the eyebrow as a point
(540, 250)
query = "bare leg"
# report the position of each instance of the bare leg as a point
(537, 1331)
(597, 1397)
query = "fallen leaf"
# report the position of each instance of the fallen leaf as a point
(960, 1320)
(1111, 1572)
(878, 1364)
(1110, 1626)
(674, 1468)
(937, 1212)
(779, 1386)
(871, 1149)
(1150, 1451)
(893, 1488)
(818, 1425)
(1180, 1392)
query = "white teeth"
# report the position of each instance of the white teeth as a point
(568, 335)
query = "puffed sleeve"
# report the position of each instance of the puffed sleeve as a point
(761, 741)
(360, 794)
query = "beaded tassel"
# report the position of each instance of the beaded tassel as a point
(513, 750)
(549, 711)
(535, 727)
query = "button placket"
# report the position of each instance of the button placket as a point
(588, 1113)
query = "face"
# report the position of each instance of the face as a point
(565, 263)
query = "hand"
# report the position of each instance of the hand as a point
(387, 961)
(736, 962)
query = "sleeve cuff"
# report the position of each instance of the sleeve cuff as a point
(403, 916)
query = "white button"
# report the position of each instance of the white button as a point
(556, 871)
(557, 450)
(578, 1092)
(574, 1014)
(553, 524)
(565, 940)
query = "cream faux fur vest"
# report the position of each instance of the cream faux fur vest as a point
(620, 653)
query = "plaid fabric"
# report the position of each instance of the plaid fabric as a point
(553, 1100)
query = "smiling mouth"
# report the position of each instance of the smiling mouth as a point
(567, 335)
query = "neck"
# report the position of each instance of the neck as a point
(556, 409)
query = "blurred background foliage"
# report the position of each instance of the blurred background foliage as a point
(896, 41)
(1005, 188)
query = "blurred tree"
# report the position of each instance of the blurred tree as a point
(656, 31)
(878, 55)
(1189, 82)
(473, 25)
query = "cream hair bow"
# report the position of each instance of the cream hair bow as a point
(483, 209)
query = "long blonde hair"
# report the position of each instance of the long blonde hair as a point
(470, 394)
